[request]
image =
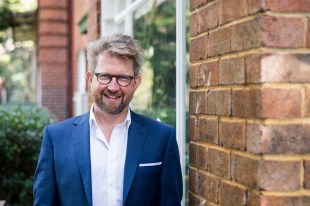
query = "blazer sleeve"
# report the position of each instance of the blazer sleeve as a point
(171, 185)
(45, 189)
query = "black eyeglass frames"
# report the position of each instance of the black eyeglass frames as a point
(122, 80)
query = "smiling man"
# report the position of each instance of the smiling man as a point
(110, 156)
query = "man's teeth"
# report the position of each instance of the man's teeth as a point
(113, 97)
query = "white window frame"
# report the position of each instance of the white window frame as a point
(111, 22)
(80, 96)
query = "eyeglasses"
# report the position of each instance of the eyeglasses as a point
(122, 80)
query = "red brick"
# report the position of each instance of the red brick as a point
(198, 156)
(232, 71)
(192, 4)
(212, 16)
(193, 129)
(202, 47)
(53, 55)
(246, 35)
(281, 103)
(246, 103)
(307, 174)
(193, 50)
(192, 102)
(208, 187)
(253, 68)
(307, 101)
(278, 139)
(193, 27)
(255, 6)
(200, 3)
(202, 158)
(198, 102)
(244, 170)
(93, 20)
(196, 200)
(56, 100)
(290, 68)
(211, 102)
(201, 19)
(308, 33)
(218, 162)
(193, 181)
(208, 74)
(53, 3)
(291, 200)
(253, 137)
(231, 195)
(194, 155)
(232, 135)
(232, 10)
(223, 103)
(53, 41)
(272, 175)
(253, 198)
(193, 76)
(287, 5)
(219, 42)
(53, 14)
(53, 28)
(208, 130)
(54, 75)
(283, 32)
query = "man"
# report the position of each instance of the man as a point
(110, 155)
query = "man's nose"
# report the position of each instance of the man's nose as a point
(113, 85)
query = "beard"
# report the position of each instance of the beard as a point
(110, 107)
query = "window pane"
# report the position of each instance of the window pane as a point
(155, 27)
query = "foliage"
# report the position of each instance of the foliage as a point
(21, 128)
(157, 33)
(7, 7)
(16, 72)
(5, 18)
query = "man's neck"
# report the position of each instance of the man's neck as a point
(106, 122)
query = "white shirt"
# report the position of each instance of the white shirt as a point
(108, 162)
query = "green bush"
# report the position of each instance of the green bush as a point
(21, 131)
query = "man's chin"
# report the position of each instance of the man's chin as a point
(111, 110)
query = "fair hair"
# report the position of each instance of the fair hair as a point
(120, 45)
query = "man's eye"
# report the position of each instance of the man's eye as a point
(123, 78)
(104, 77)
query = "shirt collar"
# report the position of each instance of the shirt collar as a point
(92, 119)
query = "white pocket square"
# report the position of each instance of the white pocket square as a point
(150, 164)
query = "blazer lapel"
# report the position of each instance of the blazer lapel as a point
(80, 135)
(136, 137)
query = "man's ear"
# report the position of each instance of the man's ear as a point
(137, 80)
(89, 76)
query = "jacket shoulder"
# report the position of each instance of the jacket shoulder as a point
(69, 122)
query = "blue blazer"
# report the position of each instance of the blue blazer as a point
(63, 173)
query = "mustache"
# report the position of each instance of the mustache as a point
(110, 93)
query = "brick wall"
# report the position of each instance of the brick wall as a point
(93, 29)
(79, 41)
(93, 20)
(249, 102)
(53, 55)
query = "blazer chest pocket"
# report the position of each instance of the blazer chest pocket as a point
(149, 168)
